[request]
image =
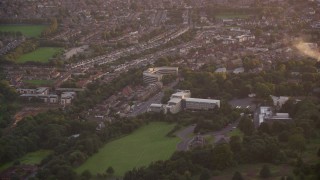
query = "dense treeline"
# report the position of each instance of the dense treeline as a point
(50, 29)
(294, 78)
(8, 96)
(206, 121)
(26, 21)
(25, 47)
(5, 34)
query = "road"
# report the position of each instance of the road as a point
(186, 135)
(143, 107)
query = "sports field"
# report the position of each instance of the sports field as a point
(27, 30)
(42, 54)
(30, 158)
(145, 145)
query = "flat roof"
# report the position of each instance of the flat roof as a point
(156, 105)
(180, 94)
(221, 70)
(174, 100)
(39, 95)
(166, 67)
(202, 100)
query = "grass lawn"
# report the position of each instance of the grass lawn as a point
(209, 139)
(42, 54)
(147, 144)
(27, 30)
(39, 82)
(232, 16)
(30, 158)
(235, 132)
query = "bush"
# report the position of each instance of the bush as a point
(237, 176)
(86, 174)
(205, 175)
(265, 172)
(216, 173)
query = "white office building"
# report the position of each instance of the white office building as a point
(174, 105)
(182, 100)
(267, 115)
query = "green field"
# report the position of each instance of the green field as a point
(232, 16)
(42, 54)
(39, 82)
(145, 145)
(27, 30)
(235, 132)
(30, 158)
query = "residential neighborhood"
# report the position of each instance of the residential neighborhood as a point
(159, 89)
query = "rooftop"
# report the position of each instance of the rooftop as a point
(202, 100)
(174, 101)
(156, 105)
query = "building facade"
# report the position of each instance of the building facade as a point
(182, 100)
(201, 104)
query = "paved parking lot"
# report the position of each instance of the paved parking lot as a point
(243, 103)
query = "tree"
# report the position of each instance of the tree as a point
(265, 128)
(110, 170)
(205, 175)
(265, 172)
(264, 90)
(246, 125)
(237, 176)
(235, 144)
(86, 174)
(222, 156)
(297, 142)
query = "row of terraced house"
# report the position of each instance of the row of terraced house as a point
(42, 94)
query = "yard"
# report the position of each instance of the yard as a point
(235, 132)
(42, 54)
(232, 16)
(145, 145)
(27, 30)
(30, 158)
(39, 82)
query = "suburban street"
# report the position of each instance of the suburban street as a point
(143, 107)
